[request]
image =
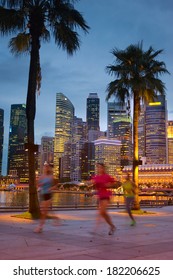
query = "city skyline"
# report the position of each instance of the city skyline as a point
(123, 24)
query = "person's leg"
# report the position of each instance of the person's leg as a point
(129, 201)
(104, 214)
(56, 219)
(44, 213)
(44, 206)
(97, 219)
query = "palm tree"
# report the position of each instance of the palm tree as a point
(136, 77)
(35, 21)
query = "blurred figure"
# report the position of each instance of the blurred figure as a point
(103, 182)
(129, 194)
(45, 186)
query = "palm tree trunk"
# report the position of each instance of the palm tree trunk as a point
(135, 149)
(30, 113)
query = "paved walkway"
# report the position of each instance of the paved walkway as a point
(150, 239)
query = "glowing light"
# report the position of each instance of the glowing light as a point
(155, 103)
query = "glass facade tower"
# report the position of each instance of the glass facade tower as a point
(93, 112)
(63, 128)
(156, 131)
(17, 157)
(120, 127)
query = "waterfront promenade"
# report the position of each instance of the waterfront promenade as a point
(150, 239)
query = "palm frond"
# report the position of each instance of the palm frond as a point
(64, 20)
(116, 88)
(66, 38)
(138, 71)
(65, 11)
(11, 21)
(45, 36)
(12, 3)
(20, 44)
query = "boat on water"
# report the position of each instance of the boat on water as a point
(16, 188)
(10, 187)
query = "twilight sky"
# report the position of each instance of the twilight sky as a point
(113, 23)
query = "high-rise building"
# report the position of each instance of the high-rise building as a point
(79, 129)
(63, 128)
(142, 133)
(46, 151)
(72, 156)
(156, 131)
(1, 137)
(88, 160)
(65, 171)
(108, 152)
(17, 156)
(170, 141)
(93, 114)
(123, 131)
(76, 160)
(120, 128)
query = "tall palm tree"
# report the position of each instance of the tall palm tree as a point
(136, 75)
(35, 21)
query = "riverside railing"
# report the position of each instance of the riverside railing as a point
(19, 201)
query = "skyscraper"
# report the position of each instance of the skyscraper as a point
(17, 157)
(46, 151)
(1, 137)
(63, 128)
(71, 159)
(88, 160)
(156, 131)
(65, 171)
(120, 127)
(108, 151)
(79, 129)
(93, 113)
(142, 133)
(170, 141)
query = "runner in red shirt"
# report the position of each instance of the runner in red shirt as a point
(103, 182)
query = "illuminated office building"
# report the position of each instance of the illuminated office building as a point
(108, 152)
(72, 156)
(156, 131)
(170, 141)
(63, 128)
(17, 156)
(120, 128)
(115, 111)
(78, 140)
(46, 151)
(79, 129)
(65, 172)
(76, 160)
(88, 160)
(1, 137)
(93, 116)
(142, 133)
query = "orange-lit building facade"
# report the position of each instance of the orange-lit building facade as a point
(153, 173)
(170, 141)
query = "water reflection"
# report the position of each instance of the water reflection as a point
(10, 199)
(14, 198)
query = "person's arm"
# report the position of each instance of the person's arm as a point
(133, 187)
(111, 183)
(55, 184)
(91, 183)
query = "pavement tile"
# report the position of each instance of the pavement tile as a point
(151, 238)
